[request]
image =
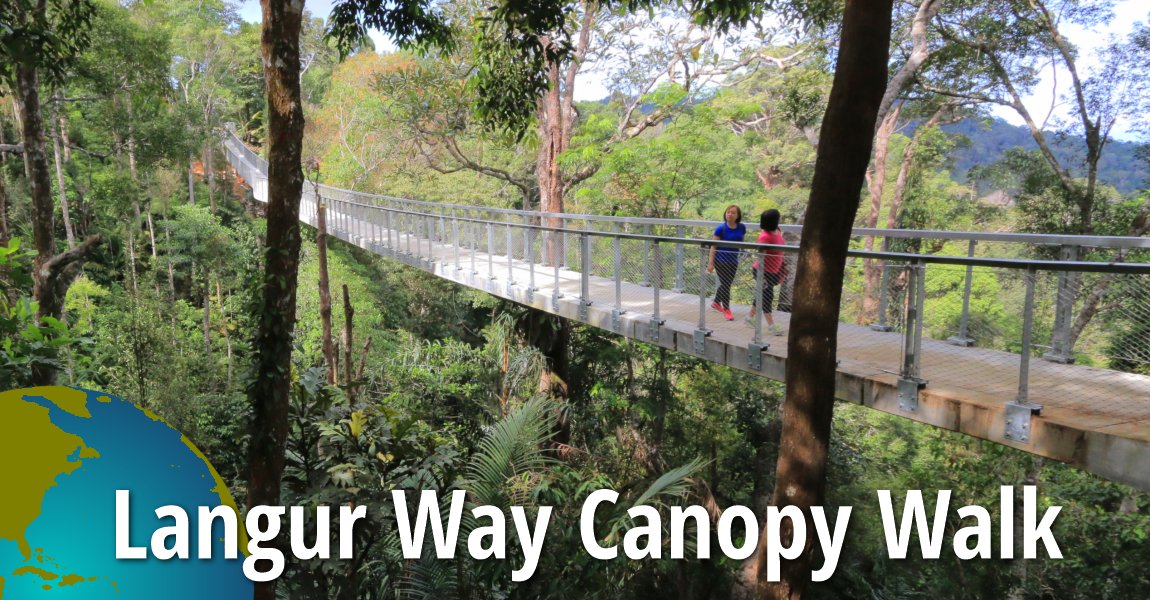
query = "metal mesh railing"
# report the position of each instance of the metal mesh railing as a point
(926, 317)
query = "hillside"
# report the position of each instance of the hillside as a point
(1120, 166)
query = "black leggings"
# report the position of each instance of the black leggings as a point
(726, 271)
(770, 280)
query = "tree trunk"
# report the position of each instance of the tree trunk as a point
(171, 269)
(132, 141)
(873, 268)
(908, 153)
(52, 273)
(348, 361)
(207, 314)
(552, 143)
(226, 330)
(62, 190)
(363, 359)
(151, 234)
(269, 392)
(325, 292)
(211, 176)
(843, 153)
(4, 235)
(18, 119)
(62, 124)
(131, 248)
(191, 178)
(552, 337)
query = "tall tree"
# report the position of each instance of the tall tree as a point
(998, 52)
(43, 36)
(844, 150)
(279, 46)
(919, 50)
(280, 49)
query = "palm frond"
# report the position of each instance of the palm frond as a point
(672, 484)
(511, 450)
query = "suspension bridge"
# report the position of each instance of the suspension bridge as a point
(977, 336)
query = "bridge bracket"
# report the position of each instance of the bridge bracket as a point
(555, 301)
(1018, 417)
(617, 320)
(653, 332)
(755, 355)
(908, 393)
(584, 305)
(701, 340)
(957, 340)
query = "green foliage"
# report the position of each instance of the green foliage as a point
(48, 38)
(26, 342)
(691, 166)
(409, 23)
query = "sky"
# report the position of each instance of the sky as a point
(1126, 14)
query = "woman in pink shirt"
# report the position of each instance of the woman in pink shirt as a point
(774, 269)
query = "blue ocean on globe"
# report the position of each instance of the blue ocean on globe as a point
(65, 454)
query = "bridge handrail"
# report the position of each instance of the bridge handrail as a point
(1123, 268)
(1091, 241)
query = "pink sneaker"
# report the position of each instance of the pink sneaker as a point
(728, 315)
(717, 306)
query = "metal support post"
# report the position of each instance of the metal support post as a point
(406, 224)
(471, 226)
(680, 272)
(646, 255)
(529, 235)
(585, 275)
(429, 226)
(756, 348)
(656, 321)
(455, 238)
(510, 254)
(1020, 410)
(883, 298)
(387, 223)
(1060, 349)
(909, 381)
(564, 239)
(617, 314)
(702, 332)
(963, 338)
(555, 293)
(416, 225)
(490, 251)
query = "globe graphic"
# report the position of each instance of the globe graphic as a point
(64, 452)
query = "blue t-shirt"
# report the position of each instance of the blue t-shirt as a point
(726, 254)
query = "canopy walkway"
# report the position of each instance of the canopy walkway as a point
(1047, 356)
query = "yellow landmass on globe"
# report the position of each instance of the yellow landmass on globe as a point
(35, 453)
(45, 575)
(72, 579)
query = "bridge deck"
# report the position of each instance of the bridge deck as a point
(1096, 419)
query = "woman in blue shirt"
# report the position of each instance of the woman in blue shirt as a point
(725, 260)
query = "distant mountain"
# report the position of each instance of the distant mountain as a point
(1120, 166)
